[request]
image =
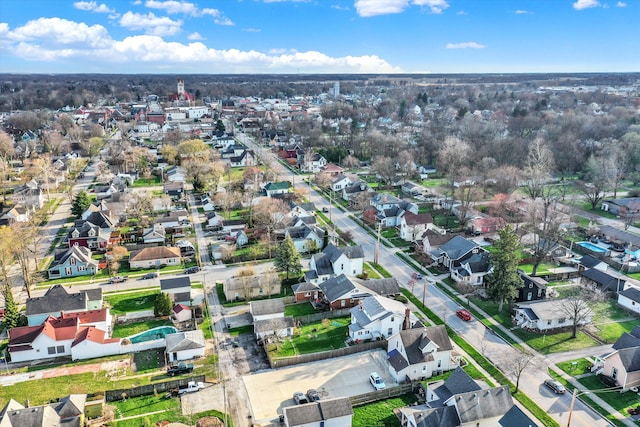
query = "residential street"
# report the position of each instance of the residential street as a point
(473, 332)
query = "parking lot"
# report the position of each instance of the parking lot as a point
(271, 391)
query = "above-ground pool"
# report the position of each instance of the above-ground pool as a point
(153, 334)
(592, 247)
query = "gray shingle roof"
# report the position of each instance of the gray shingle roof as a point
(384, 287)
(175, 283)
(478, 405)
(188, 340)
(438, 417)
(273, 325)
(604, 280)
(267, 306)
(336, 287)
(589, 261)
(57, 299)
(632, 293)
(316, 412)
(457, 247)
(515, 417)
(630, 358)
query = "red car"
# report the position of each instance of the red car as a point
(464, 315)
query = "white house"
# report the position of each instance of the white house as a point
(340, 182)
(185, 345)
(414, 225)
(333, 261)
(266, 309)
(154, 234)
(306, 238)
(629, 298)
(379, 317)
(420, 353)
(546, 315)
(181, 313)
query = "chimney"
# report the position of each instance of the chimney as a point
(407, 318)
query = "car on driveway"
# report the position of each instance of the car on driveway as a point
(463, 314)
(313, 395)
(376, 381)
(555, 386)
(300, 398)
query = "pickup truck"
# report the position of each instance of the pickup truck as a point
(191, 387)
(180, 368)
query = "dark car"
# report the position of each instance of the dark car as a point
(555, 386)
(149, 276)
(313, 395)
(463, 314)
(180, 368)
(191, 270)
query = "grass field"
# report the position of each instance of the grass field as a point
(371, 273)
(380, 414)
(128, 302)
(123, 331)
(300, 309)
(315, 337)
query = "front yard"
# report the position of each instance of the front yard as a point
(329, 334)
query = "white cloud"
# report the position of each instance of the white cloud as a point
(92, 6)
(621, 4)
(224, 21)
(195, 36)
(172, 6)
(252, 30)
(461, 12)
(465, 45)
(522, 12)
(585, 4)
(339, 7)
(150, 23)
(52, 39)
(368, 8)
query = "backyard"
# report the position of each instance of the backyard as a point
(127, 302)
(328, 334)
(380, 414)
(126, 330)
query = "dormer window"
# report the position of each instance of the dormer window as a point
(91, 233)
(75, 234)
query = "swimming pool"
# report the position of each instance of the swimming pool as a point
(153, 334)
(592, 247)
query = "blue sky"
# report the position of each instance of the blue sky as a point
(319, 36)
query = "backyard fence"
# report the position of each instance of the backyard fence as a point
(315, 317)
(281, 362)
(112, 395)
(387, 393)
(142, 346)
(135, 315)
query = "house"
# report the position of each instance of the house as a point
(333, 261)
(485, 225)
(181, 313)
(629, 298)
(245, 158)
(57, 337)
(388, 209)
(18, 213)
(533, 288)
(279, 327)
(240, 238)
(68, 411)
(546, 315)
(388, 287)
(336, 412)
(75, 261)
(313, 164)
(155, 257)
(432, 239)
(339, 182)
(332, 170)
(57, 301)
(587, 261)
(351, 191)
(154, 234)
(185, 345)
(420, 353)
(622, 207)
(607, 232)
(412, 189)
(622, 364)
(601, 281)
(306, 238)
(273, 188)
(414, 225)
(92, 233)
(306, 292)
(340, 292)
(175, 190)
(466, 260)
(377, 317)
(175, 174)
(29, 195)
(251, 287)
(179, 288)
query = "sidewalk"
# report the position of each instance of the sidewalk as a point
(621, 417)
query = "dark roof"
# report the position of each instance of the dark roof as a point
(336, 287)
(628, 340)
(175, 283)
(316, 412)
(604, 280)
(460, 382)
(515, 417)
(446, 416)
(58, 299)
(457, 247)
(478, 405)
(630, 358)
(537, 282)
(414, 340)
(632, 293)
(304, 287)
(382, 287)
(267, 306)
(589, 261)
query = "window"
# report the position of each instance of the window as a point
(51, 350)
(342, 267)
(389, 332)
(529, 296)
(60, 349)
(539, 293)
(393, 318)
(261, 290)
(548, 322)
(343, 303)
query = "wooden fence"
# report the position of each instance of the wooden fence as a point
(387, 393)
(315, 317)
(314, 357)
(112, 395)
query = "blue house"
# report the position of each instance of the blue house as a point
(75, 261)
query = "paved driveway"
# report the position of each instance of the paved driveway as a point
(271, 391)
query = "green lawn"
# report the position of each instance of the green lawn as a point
(146, 360)
(241, 330)
(619, 401)
(371, 273)
(300, 309)
(128, 302)
(543, 268)
(147, 182)
(314, 337)
(610, 332)
(608, 310)
(145, 404)
(582, 366)
(123, 331)
(380, 414)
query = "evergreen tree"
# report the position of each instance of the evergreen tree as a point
(162, 305)
(288, 258)
(220, 125)
(12, 317)
(80, 203)
(504, 281)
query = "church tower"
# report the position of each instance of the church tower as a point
(180, 87)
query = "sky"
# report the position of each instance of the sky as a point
(319, 36)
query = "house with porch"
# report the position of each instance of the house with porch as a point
(377, 317)
(622, 364)
(58, 300)
(547, 315)
(306, 238)
(274, 188)
(333, 261)
(420, 352)
(72, 262)
(466, 260)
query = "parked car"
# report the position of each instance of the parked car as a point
(555, 386)
(191, 270)
(325, 210)
(376, 381)
(180, 368)
(313, 395)
(149, 276)
(300, 398)
(117, 279)
(463, 314)
(416, 276)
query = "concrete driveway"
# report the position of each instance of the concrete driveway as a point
(271, 391)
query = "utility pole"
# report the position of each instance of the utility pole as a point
(424, 289)
(376, 253)
(573, 400)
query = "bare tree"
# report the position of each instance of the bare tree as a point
(595, 180)
(537, 171)
(384, 167)
(577, 307)
(453, 156)
(268, 214)
(517, 362)
(545, 224)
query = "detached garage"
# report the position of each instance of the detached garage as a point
(185, 345)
